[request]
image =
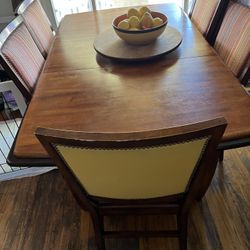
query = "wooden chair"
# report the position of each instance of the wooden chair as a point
(233, 40)
(37, 23)
(232, 43)
(20, 57)
(154, 172)
(202, 14)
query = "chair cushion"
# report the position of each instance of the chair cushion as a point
(233, 40)
(203, 14)
(23, 56)
(39, 26)
(134, 173)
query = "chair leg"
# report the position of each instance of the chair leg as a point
(221, 155)
(182, 226)
(98, 228)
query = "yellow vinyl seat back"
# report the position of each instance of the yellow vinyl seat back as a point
(134, 173)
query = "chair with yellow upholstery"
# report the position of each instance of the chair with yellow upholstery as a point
(20, 57)
(37, 23)
(154, 172)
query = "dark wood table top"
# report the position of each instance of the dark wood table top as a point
(80, 90)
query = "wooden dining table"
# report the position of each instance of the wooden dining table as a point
(80, 90)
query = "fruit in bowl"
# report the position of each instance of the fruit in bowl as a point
(140, 26)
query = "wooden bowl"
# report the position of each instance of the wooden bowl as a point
(140, 37)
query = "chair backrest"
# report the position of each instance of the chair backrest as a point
(37, 23)
(136, 166)
(20, 56)
(203, 13)
(233, 40)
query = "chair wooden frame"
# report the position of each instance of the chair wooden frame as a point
(23, 6)
(216, 22)
(192, 9)
(177, 204)
(4, 35)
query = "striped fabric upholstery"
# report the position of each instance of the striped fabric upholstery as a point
(233, 40)
(39, 26)
(21, 52)
(203, 14)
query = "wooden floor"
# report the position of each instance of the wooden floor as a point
(40, 213)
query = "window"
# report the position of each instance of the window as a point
(64, 7)
(106, 4)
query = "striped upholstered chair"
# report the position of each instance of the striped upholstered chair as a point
(37, 23)
(233, 40)
(20, 57)
(203, 13)
(137, 173)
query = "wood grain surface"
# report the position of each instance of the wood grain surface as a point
(40, 213)
(110, 45)
(80, 90)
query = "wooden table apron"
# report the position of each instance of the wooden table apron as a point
(80, 90)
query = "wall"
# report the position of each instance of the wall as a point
(47, 6)
(6, 13)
